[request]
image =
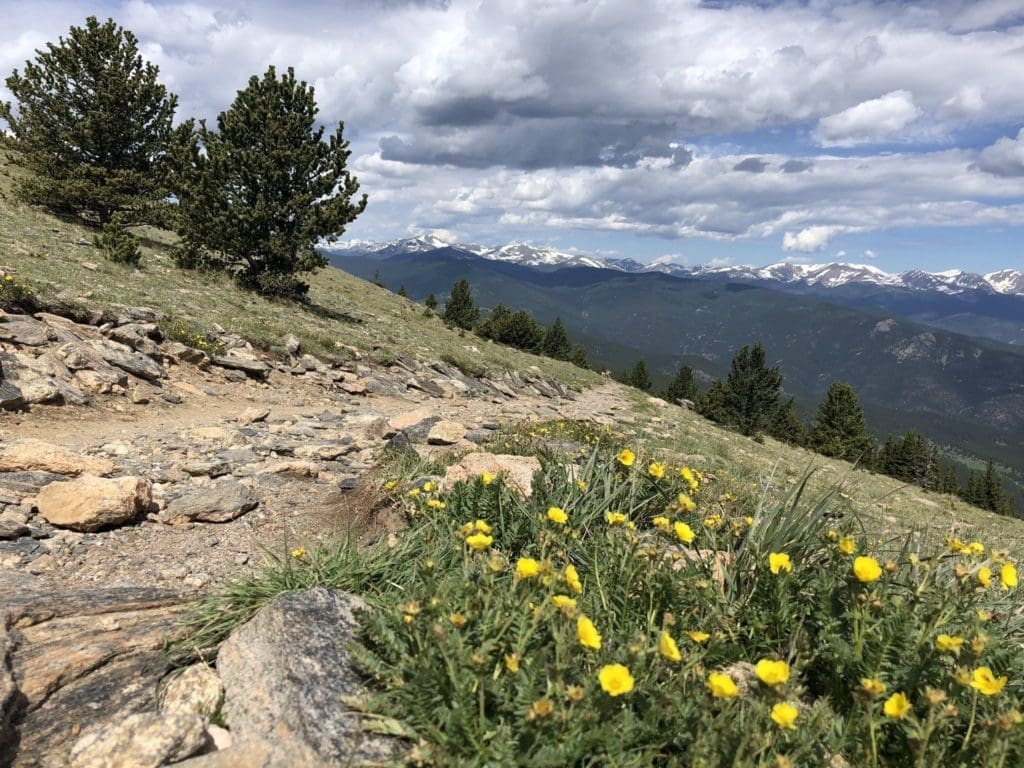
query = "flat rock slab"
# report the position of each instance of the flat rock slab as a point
(518, 471)
(142, 740)
(446, 433)
(218, 502)
(38, 455)
(248, 366)
(286, 672)
(89, 503)
(80, 661)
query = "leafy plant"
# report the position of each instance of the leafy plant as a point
(191, 335)
(117, 243)
(16, 295)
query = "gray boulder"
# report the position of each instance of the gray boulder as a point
(218, 502)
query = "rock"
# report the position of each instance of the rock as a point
(445, 433)
(263, 754)
(404, 421)
(300, 468)
(12, 529)
(11, 398)
(292, 344)
(657, 402)
(220, 737)
(249, 366)
(195, 689)
(253, 415)
(139, 396)
(21, 484)
(127, 359)
(218, 502)
(517, 470)
(287, 672)
(90, 503)
(25, 331)
(206, 468)
(353, 387)
(143, 740)
(37, 455)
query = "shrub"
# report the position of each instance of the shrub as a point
(191, 335)
(16, 295)
(118, 244)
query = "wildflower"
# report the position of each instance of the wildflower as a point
(615, 679)
(955, 545)
(479, 541)
(772, 672)
(410, 611)
(429, 564)
(983, 681)
(435, 504)
(526, 568)
(866, 569)
(686, 502)
(748, 520)
(557, 515)
(299, 553)
(564, 603)
(656, 470)
(587, 634)
(976, 548)
(785, 714)
(574, 693)
(667, 647)
(949, 643)
(572, 578)
(481, 526)
(847, 545)
(413, 492)
(684, 533)
(697, 636)
(540, 708)
(581, 485)
(626, 457)
(713, 522)
(390, 485)
(872, 686)
(496, 564)
(1008, 576)
(934, 696)
(429, 487)
(984, 576)
(457, 619)
(615, 518)
(512, 662)
(661, 522)
(487, 478)
(689, 478)
(722, 686)
(779, 561)
(982, 614)
(896, 706)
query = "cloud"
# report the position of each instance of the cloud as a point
(1005, 157)
(751, 165)
(870, 121)
(870, 255)
(810, 239)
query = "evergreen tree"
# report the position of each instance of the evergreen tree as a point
(839, 429)
(460, 310)
(523, 332)
(431, 302)
(786, 427)
(990, 492)
(493, 327)
(91, 127)
(682, 387)
(556, 341)
(579, 357)
(256, 195)
(638, 377)
(401, 291)
(712, 404)
(751, 391)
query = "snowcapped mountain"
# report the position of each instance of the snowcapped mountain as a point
(831, 275)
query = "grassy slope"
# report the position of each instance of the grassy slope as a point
(49, 254)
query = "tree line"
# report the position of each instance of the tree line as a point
(750, 401)
(92, 131)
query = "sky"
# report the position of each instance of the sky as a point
(889, 133)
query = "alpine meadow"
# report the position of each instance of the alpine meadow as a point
(462, 383)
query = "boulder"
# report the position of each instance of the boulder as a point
(218, 502)
(404, 421)
(195, 689)
(25, 331)
(518, 471)
(247, 365)
(142, 740)
(40, 456)
(446, 433)
(263, 754)
(90, 503)
(253, 415)
(292, 344)
(287, 673)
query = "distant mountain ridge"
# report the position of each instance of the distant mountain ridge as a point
(829, 275)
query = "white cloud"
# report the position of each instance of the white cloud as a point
(810, 239)
(1005, 157)
(870, 121)
(870, 255)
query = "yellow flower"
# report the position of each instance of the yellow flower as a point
(976, 548)
(572, 578)
(390, 484)
(626, 457)
(587, 634)
(847, 545)
(661, 522)
(949, 643)
(689, 478)
(496, 564)
(779, 561)
(983, 681)
(896, 706)
(697, 636)
(686, 502)
(557, 515)
(526, 568)
(479, 541)
(457, 619)
(540, 708)
(656, 470)
(512, 662)
(872, 685)
(581, 484)
(564, 603)
(615, 679)
(785, 714)
(481, 526)
(574, 693)
(414, 492)
(722, 686)
(713, 521)
(985, 576)
(487, 478)
(667, 647)
(435, 504)
(684, 533)
(955, 545)
(299, 553)
(866, 569)
(1008, 576)
(615, 518)
(429, 486)
(772, 672)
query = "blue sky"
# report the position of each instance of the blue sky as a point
(724, 132)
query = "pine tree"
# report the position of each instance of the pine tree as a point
(256, 195)
(751, 391)
(493, 327)
(638, 376)
(431, 302)
(712, 404)
(786, 427)
(460, 310)
(523, 332)
(682, 387)
(91, 128)
(579, 357)
(839, 429)
(401, 291)
(556, 341)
